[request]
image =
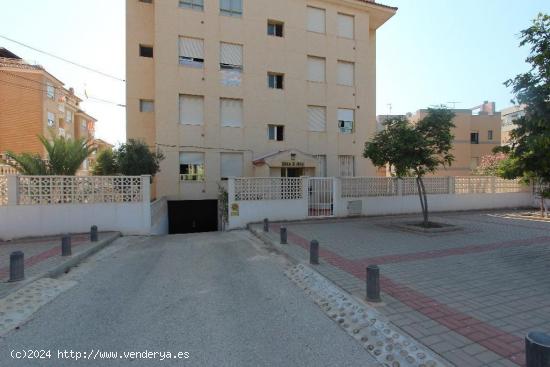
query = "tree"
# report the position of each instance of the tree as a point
(530, 140)
(414, 150)
(65, 156)
(105, 164)
(135, 158)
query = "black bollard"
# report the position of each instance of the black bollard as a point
(93, 234)
(537, 349)
(17, 266)
(66, 246)
(266, 225)
(314, 252)
(283, 236)
(373, 283)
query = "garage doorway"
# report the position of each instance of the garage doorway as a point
(192, 216)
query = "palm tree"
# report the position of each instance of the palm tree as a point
(65, 156)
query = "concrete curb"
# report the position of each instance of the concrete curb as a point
(71, 262)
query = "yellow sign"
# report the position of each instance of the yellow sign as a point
(234, 210)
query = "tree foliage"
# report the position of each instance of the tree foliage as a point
(414, 149)
(489, 165)
(135, 158)
(105, 164)
(530, 140)
(65, 156)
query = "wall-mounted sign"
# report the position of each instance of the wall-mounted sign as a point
(292, 164)
(234, 210)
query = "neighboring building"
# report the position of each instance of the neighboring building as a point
(100, 145)
(252, 88)
(509, 115)
(475, 135)
(33, 102)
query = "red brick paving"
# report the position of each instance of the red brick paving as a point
(498, 341)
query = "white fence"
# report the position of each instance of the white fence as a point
(49, 205)
(252, 199)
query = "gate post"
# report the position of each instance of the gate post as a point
(305, 195)
(337, 197)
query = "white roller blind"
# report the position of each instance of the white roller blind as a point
(191, 158)
(346, 73)
(345, 114)
(346, 26)
(231, 54)
(317, 118)
(231, 112)
(231, 164)
(315, 19)
(192, 47)
(316, 69)
(191, 110)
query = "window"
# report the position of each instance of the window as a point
(51, 119)
(191, 166)
(231, 165)
(231, 112)
(346, 120)
(145, 51)
(191, 52)
(322, 159)
(315, 19)
(347, 165)
(346, 73)
(191, 110)
(317, 118)
(231, 56)
(275, 28)
(275, 81)
(69, 117)
(50, 91)
(146, 105)
(316, 69)
(474, 138)
(276, 132)
(146, 1)
(346, 25)
(192, 4)
(490, 135)
(232, 8)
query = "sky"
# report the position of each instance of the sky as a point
(432, 52)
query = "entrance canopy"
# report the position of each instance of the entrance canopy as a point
(291, 158)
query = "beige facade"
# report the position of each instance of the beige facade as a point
(33, 102)
(508, 115)
(227, 89)
(475, 135)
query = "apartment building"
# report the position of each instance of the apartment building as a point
(252, 88)
(477, 132)
(33, 102)
(509, 115)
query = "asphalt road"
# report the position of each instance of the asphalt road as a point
(219, 297)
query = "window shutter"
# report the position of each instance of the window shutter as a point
(192, 158)
(191, 110)
(347, 165)
(192, 47)
(231, 54)
(346, 73)
(345, 114)
(346, 26)
(315, 19)
(317, 118)
(322, 159)
(231, 164)
(231, 112)
(316, 69)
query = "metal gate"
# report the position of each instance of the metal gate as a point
(321, 197)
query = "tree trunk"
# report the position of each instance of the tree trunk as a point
(423, 199)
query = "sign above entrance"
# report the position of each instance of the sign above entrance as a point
(292, 164)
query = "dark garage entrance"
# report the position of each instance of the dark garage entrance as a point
(193, 216)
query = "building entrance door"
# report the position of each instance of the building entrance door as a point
(292, 172)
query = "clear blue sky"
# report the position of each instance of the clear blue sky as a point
(431, 52)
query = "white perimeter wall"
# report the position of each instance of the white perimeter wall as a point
(42, 220)
(256, 211)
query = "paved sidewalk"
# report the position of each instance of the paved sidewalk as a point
(471, 296)
(41, 255)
